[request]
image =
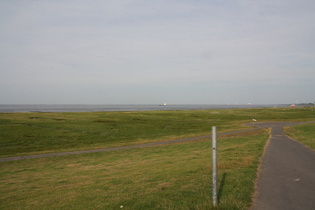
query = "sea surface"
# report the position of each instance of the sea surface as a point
(13, 108)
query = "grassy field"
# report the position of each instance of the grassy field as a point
(176, 176)
(32, 133)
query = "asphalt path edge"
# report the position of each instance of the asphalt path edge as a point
(286, 174)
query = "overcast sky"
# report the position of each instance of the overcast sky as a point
(156, 51)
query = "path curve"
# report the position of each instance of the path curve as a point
(286, 179)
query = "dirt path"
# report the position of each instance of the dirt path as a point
(287, 176)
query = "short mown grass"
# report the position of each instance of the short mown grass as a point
(304, 133)
(176, 176)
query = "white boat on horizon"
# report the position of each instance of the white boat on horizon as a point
(164, 104)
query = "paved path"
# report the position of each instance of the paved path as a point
(287, 176)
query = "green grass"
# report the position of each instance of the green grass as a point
(176, 176)
(32, 133)
(303, 133)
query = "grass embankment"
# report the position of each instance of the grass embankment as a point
(303, 133)
(176, 176)
(32, 133)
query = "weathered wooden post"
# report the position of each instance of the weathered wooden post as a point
(214, 166)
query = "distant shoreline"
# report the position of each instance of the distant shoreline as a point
(20, 108)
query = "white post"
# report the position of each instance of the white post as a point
(214, 166)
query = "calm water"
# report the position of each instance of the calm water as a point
(110, 108)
